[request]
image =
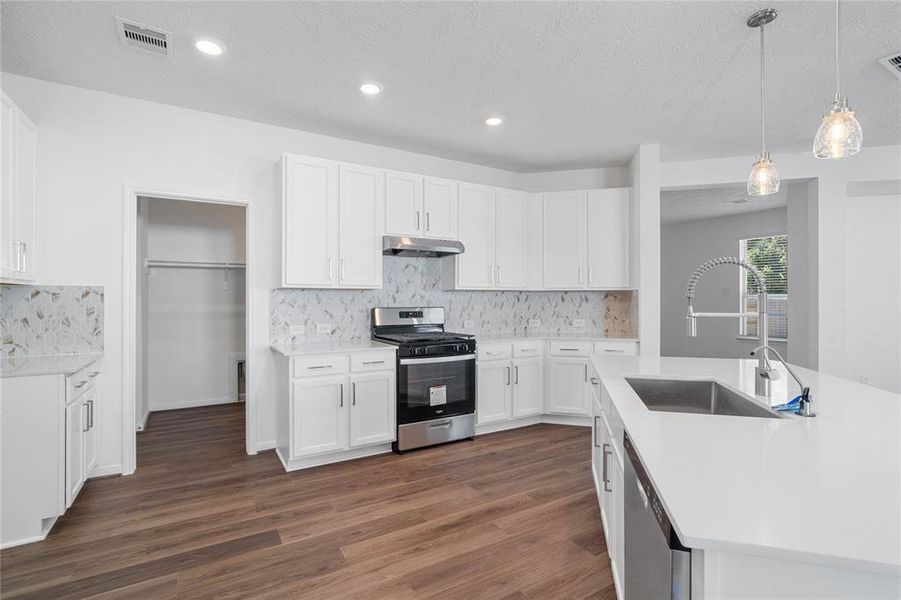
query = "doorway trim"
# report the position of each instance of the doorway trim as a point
(129, 309)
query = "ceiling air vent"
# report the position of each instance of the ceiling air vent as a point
(892, 63)
(141, 37)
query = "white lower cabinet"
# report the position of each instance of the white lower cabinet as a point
(373, 404)
(76, 420)
(528, 383)
(493, 394)
(336, 407)
(568, 386)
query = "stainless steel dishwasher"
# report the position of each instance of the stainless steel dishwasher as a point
(657, 565)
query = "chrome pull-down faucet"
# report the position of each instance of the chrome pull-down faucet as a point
(805, 408)
(764, 371)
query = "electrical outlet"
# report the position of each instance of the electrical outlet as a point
(297, 330)
(534, 323)
(469, 324)
(323, 327)
(578, 322)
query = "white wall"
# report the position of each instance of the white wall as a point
(195, 316)
(684, 246)
(90, 145)
(841, 221)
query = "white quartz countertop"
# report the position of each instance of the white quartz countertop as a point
(330, 347)
(515, 337)
(61, 364)
(825, 490)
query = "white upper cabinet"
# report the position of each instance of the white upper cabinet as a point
(17, 198)
(476, 266)
(360, 227)
(310, 213)
(565, 244)
(511, 212)
(439, 208)
(403, 204)
(609, 238)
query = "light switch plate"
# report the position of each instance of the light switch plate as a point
(533, 323)
(323, 327)
(469, 324)
(578, 322)
(297, 330)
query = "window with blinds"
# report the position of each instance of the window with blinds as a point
(770, 255)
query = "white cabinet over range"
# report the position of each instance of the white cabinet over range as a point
(335, 214)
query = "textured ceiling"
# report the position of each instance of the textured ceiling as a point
(580, 84)
(708, 203)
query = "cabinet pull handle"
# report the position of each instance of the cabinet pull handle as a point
(508, 375)
(17, 250)
(417, 220)
(342, 268)
(81, 385)
(329, 260)
(91, 413)
(607, 453)
(373, 362)
(319, 367)
(87, 422)
(341, 400)
(569, 349)
(596, 431)
(353, 393)
(612, 351)
(428, 220)
(586, 373)
(24, 250)
(94, 374)
(580, 274)
(516, 369)
(589, 275)
(595, 381)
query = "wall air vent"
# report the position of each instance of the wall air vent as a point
(141, 37)
(892, 62)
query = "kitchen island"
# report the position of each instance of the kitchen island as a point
(770, 507)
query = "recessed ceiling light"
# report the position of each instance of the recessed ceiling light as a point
(493, 121)
(209, 47)
(370, 89)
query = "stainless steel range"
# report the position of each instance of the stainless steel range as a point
(436, 376)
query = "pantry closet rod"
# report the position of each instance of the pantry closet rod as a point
(193, 264)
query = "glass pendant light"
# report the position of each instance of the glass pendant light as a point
(839, 134)
(764, 178)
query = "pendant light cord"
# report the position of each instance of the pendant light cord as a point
(762, 112)
(837, 54)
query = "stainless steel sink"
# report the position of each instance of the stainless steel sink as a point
(697, 397)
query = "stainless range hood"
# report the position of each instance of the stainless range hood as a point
(400, 245)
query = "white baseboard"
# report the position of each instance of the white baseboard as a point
(143, 424)
(573, 420)
(505, 425)
(329, 458)
(106, 470)
(193, 403)
(46, 526)
(267, 445)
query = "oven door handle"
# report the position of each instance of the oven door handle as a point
(437, 359)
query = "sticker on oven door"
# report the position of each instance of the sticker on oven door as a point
(437, 395)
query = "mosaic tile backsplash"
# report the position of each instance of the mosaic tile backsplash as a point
(44, 320)
(416, 282)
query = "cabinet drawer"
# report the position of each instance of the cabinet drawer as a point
(624, 347)
(527, 349)
(372, 361)
(580, 348)
(308, 366)
(493, 351)
(79, 383)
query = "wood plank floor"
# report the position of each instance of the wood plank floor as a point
(509, 515)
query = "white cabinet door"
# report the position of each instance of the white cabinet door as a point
(9, 246)
(475, 267)
(564, 241)
(319, 415)
(310, 222)
(90, 435)
(360, 227)
(403, 204)
(617, 520)
(568, 389)
(527, 387)
(76, 419)
(493, 394)
(440, 208)
(24, 196)
(609, 238)
(511, 214)
(372, 408)
(597, 455)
